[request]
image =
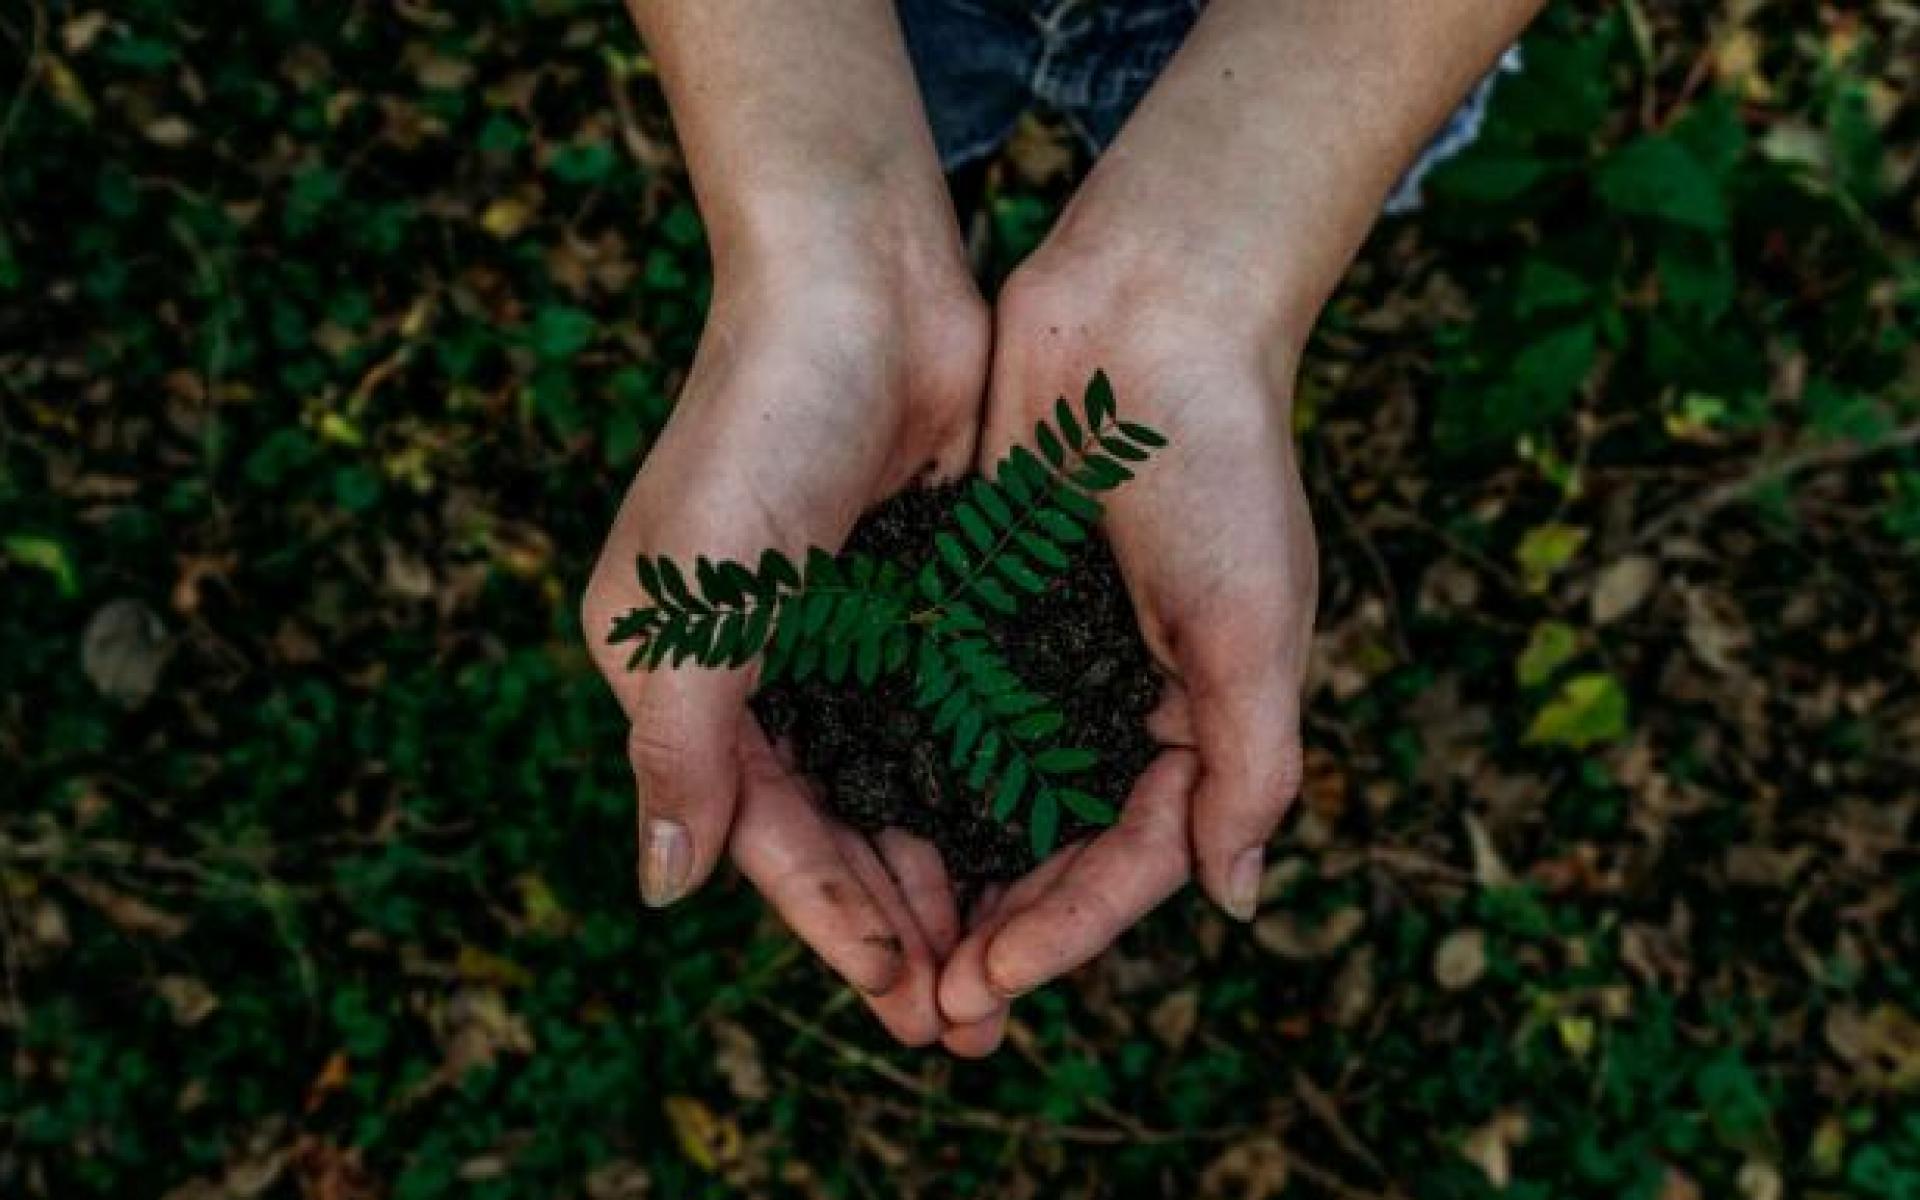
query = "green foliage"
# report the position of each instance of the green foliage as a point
(856, 617)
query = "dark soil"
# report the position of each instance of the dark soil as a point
(876, 756)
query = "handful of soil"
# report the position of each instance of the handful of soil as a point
(874, 751)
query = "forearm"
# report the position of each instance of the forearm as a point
(1265, 150)
(801, 126)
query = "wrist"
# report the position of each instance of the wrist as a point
(1151, 294)
(884, 225)
(1225, 278)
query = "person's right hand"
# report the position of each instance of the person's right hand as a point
(819, 389)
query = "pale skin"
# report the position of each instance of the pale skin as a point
(849, 354)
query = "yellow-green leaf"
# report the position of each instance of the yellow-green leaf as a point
(1553, 643)
(1587, 710)
(1546, 550)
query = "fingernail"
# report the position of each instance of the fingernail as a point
(665, 857)
(1243, 885)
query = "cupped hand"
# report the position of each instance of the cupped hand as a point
(1216, 546)
(814, 395)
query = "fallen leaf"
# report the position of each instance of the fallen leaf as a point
(737, 1056)
(1254, 1168)
(708, 1141)
(1173, 1019)
(1285, 934)
(1490, 1147)
(191, 1000)
(1622, 587)
(1461, 959)
(123, 650)
(1545, 550)
(129, 913)
(1550, 647)
(1587, 710)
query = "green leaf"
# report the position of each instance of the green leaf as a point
(676, 585)
(972, 524)
(955, 554)
(950, 710)
(1019, 573)
(1037, 725)
(1043, 824)
(992, 503)
(1062, 527)
(560, 332)
(649, 577)
(1552, 645)
(985, 757)
(837, 657)
(1555, 365)
(1656, 176)
(1123, 449)
(778, 570)
(1013, 784)
(1088, 808)
(1045, 552)
(1078, 505)
(1063, 760)
(726, 643)
(1098, 401)
(1070, 428)
(1049, 443)
(965, 731)
(754, 633)
(48, 555)
(1144, 435)
(1587, 710)
(997, 597)
(1545, 550)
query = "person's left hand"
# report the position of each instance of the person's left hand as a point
(1216, 546)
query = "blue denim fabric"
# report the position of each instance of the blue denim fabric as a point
(981, 63)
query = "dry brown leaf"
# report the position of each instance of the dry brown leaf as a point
(123, 650)
(130, 913)
(709, 1141)
(190, 1000)
(737, 1056)
(1622, 587)
(1461, 959)
(1254, 1168)
(1173, 1018)
(1287, 935)
(1490, 1147)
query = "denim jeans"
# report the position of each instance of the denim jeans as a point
(981, 63)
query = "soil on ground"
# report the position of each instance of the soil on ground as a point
(874, 752)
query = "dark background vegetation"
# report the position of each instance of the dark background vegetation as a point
(330, 334)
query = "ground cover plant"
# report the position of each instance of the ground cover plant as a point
(860, 617)
(329, 339)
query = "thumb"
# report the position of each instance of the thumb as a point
(684, 747)
(1248, 736)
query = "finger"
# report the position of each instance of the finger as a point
(786, 848)
(916, 866)
(967, 997)
(684, 747)
(908, 1009)
(1171, 721)
(979, 1039)
(1123, 874)
(1248, 737)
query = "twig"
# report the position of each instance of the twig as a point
(1331, 490)
(29, 76)
(1127, 1132)
(1810, 458)
(1327, 1113)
